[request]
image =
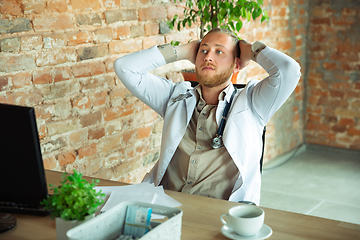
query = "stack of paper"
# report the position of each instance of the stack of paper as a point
(142, 192)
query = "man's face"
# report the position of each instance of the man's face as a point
(215, 61)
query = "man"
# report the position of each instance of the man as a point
(192, 116)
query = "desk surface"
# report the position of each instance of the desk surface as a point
(201, 220)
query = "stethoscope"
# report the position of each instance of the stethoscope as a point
(216, 142)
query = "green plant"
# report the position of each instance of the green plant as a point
(219, 13)
(74, 199)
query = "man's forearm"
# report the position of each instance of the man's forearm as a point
(186, 51)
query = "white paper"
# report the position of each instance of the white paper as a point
(142, 192)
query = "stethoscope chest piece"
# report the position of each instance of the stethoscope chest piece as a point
(216, 142)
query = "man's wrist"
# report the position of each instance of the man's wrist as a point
(169, 52)
(256, 48)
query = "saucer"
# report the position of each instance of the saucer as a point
(264, 232)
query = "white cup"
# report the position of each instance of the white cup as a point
(246, 220)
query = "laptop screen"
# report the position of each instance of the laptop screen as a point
(22, 172)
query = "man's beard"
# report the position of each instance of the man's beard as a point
(217, 79)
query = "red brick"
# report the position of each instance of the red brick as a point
(11, 7)
(79, 38)
(43, 112)
(98, 82)
(352, 94)
(278, 3)
(339, 103)
(90, 119)
(353, 131)
(78, 138)
(330, 66)
(21, 79)
(337, 93)
(96, 133)
(85, 5)
(33, 7)
(56, 6)
(50, 57)
(319, 92)
(347, 121)
(88, 69)
(110, 143)
(103, 35)
(341, 55)
(282, 12)
(27, 98)
(31, 43)
(66, 158)
(315, 56)
(349, 66)
(111, 3)
(343, 20)
(341, 85)
(43, 76)
(280, 23)
(90, 52)
(4, 81)
(87, 151)
(313, 100)
(52, 22)
(82, 103)
(325, 21)
(339, 128)
(12, 63)
(143, 132)
(314, 118)
(117, 95)
(152, 13)
(314, 109)
(121, 32)
(127, 136)
(126, 46)
(173, 10)
(116, 112)
(99, 98)
(62, 74)
(152, 41)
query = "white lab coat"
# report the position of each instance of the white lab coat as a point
(251, 109)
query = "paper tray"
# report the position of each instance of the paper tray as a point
(109, 225)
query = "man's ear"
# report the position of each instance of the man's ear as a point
(237, 65)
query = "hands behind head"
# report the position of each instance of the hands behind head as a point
(188, 51)
(193, 50)
(245, 56)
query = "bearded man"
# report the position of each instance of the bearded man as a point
(196, 157)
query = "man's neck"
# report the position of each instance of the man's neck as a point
(211, 95)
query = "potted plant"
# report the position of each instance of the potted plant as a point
(211, 14)
(72, 202)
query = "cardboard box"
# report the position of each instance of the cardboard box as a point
(109, 225)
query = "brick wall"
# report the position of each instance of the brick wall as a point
(287, 32)
(333, 84)
(57, 57)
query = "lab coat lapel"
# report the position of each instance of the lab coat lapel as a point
(190, 105)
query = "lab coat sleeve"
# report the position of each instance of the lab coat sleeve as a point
(133, 71)
(270, 94)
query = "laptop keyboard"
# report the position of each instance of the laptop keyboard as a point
(11, 207)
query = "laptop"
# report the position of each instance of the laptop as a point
(22, 174)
